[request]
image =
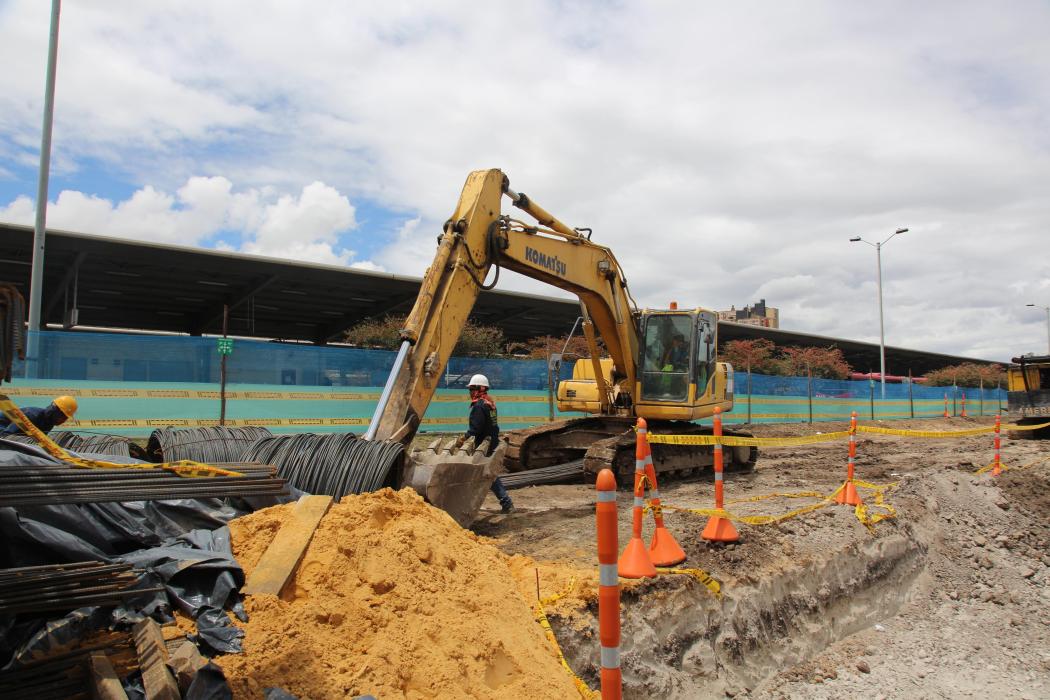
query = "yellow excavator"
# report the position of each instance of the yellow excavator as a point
(1028, 394)
(661, 364)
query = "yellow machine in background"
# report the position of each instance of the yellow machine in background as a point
(1028, 393)
(661, 364)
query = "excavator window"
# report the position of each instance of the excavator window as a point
(666, 361)
(705, 351)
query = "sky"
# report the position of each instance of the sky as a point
(726, 152)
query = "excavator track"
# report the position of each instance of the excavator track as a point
(609, 443)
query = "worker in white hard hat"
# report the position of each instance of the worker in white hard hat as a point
(58, 412)
(483, 424)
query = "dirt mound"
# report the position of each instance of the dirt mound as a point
(392, 598)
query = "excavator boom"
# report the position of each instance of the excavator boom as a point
(478, 237)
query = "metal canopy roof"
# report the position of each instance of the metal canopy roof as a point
(146, 286)
(123, 284)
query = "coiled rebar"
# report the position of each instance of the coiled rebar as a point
(213, 444)
(335, 464)
(99, 444)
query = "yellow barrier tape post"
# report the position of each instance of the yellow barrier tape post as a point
(184, 468)
(708, 581)
(540, 615)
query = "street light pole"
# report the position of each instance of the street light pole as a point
(882, 330)
(36, 273)
(1047, 310)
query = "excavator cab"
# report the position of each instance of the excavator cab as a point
(678, 375)
(678, 365)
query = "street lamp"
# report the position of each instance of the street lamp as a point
(882, 333)
(1047, 310)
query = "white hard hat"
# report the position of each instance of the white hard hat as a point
(479, 380)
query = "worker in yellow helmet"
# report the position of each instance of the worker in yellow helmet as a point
(58, 412)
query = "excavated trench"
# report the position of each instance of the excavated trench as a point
(681, 642)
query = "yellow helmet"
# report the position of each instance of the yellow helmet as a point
(66, 404)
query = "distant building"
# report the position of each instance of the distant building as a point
(757, 315)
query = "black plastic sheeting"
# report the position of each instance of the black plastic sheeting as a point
(182, 545)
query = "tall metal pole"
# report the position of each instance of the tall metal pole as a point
(1047, 329)
(222, 366)
(882, 331)
(37, 273)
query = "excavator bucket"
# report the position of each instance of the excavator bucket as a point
(455, 479)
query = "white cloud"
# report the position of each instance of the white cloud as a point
(723, 152)
(296, 227)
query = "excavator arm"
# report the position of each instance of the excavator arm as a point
(475, 239)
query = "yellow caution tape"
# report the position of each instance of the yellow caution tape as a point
(552, 599)
(766, 497)
(751, 519)
(184, 467)
(540, 615)
(1003, 467)
(861, 511)
(709, 582)
(741, 441)
(926, 433)
(302, 395)
(1015, 426)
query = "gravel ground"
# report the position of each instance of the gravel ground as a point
(950, 599)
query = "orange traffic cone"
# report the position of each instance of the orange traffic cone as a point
(635, 561)
(663, 549)
(848, 495)
(718, 528)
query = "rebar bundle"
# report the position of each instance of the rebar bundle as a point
(554, 474)
(335, 464)
(67, 675)
(59, 483)
(115, 445)
(213, 444)
(66, 586)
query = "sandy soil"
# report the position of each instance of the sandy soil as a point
(950, 599)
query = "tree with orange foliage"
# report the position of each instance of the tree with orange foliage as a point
(750, 355)
(828, 363)
(543, 346)
(967, 374)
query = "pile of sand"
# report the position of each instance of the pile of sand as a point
(394, 599)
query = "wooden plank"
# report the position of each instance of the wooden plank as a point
(104, 678)
(281, 558)
(157, 680)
